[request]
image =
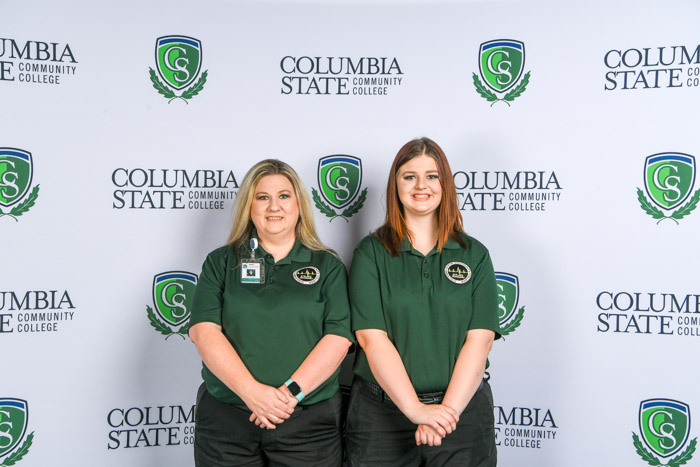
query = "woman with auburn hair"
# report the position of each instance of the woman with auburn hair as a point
(271, 321)
(425, 312)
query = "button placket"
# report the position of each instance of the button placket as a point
(427, 284)
(273, 268)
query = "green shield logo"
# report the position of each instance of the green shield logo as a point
(664, 424)
(339, 177)
(501, 63)
(173, 292)
(669, 178)
(178, 60)
(16, 170)
(507, 296)
(14, 414)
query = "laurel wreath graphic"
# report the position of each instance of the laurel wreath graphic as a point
(24, 206)
(514, 323)
(328, 211)
(19, 453)
(487, 94)
(163, 328)
(168, 93)
(678, 214)
(680, 459)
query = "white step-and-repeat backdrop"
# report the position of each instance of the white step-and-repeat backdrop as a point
(572, 131)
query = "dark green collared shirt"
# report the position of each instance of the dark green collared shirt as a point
(426, 304)
(273, 326)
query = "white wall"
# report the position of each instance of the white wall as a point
(581, 384)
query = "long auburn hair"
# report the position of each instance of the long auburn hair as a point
(243, 225)
(394, 230)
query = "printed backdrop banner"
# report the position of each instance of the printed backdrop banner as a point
(571, 130)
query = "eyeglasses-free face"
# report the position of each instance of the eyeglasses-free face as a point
(274, 209)
(418, 185)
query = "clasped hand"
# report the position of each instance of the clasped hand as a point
(434, 422)
(270, 406)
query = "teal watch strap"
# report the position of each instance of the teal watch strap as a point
(295, 390)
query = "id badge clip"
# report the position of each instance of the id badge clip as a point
(253, 269)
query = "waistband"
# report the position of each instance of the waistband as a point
(377, 393)
(203, 389)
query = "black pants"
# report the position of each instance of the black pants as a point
(378, 434)
(311, 436)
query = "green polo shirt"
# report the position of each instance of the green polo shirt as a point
(426, 304)
(273, 326)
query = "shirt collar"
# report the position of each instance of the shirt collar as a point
(450, 244)
(405, 245)
(299, 253)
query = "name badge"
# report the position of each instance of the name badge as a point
(253, 269)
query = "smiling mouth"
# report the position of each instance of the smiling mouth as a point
(274, 218)
(421, 196)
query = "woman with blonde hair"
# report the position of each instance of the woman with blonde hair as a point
(270, 320)
(425, 312)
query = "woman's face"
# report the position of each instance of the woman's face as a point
(419, 186)
(274, 209)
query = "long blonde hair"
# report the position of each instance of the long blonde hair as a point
(242, 224)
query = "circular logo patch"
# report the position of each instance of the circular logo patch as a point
(458, 272)
(307, 276)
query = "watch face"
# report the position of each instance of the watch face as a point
(294, 388)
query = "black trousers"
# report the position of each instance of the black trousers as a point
(379, 434)
(311, 436)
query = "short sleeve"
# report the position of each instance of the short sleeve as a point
(484, 297)
(208, 296)
(337, 308)
(365, 295)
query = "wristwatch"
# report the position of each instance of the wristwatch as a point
(294, 389)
